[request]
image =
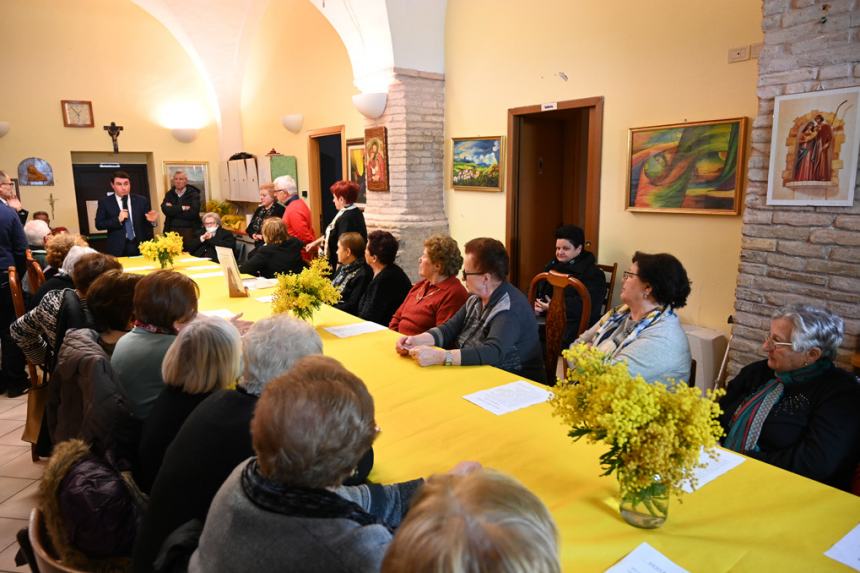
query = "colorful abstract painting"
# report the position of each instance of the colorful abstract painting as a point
(687, 167)
(357, 174)
(477, 164)
(814, 146)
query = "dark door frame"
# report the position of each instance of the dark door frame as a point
(594, 107)
(314, 169)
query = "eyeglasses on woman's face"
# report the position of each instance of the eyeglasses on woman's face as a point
(629, 275)
(771, 342)
(465, 274)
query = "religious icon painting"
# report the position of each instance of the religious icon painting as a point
(814, 146)
(376, 158)
(36, 172)
(692, 167)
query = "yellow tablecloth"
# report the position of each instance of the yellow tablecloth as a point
(754, 518)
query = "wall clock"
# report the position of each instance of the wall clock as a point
(77, 113)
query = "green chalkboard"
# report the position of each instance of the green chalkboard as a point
(285, 165)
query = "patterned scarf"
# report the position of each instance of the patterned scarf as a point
(154, 329)
(749, 418)
(611, 322)
(345, 274)
(300, 501)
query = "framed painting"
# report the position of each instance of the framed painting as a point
(376, 158)
(477, 163)
(196, 171)
(355, 163)
(694, 167)
(814, 146)
(35, 172)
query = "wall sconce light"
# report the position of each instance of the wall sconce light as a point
(4, 128)
(293, 122)
(184, 134)
(371, 105)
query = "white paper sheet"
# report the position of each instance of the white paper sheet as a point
(206, 275)
(509, 397)
(645, 559)
(134, 269)
(259, 283)
(205, 267)
(220, 313)
(265, 298)
(191, 259)
(92, 207)
(847, 549)
(725, 461)
(348, 330)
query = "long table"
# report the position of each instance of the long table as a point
(754, 518)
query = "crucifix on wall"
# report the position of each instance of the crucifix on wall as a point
(113, 130)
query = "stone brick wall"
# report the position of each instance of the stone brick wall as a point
(414, 207)
(798, 254)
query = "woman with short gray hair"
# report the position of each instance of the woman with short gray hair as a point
(797, 410)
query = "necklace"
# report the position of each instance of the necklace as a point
(419, 296)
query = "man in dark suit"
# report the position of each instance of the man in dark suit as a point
(10, 199)
(127, 218)
(210, 236)
(13, 244)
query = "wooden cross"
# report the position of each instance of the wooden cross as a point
(113, 130)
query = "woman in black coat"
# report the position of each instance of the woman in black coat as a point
(349, 219)
(389, 285)
(353, 275)
(269, 207)
(280, 254)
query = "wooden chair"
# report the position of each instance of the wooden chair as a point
(42, 548)
(35, 276)
(37, 397)
(556, 319)
(609, 271)
(692, 381)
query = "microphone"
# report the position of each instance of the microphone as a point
(125, 202)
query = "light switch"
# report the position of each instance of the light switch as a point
(739, 54)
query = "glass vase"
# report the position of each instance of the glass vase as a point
(165, 260)
(647, 508)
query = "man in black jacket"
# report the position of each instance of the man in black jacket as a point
(13, 244)
(10, 199)
(212, 235)
(181, 207)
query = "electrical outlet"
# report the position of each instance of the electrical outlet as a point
(755, 50)
(739, 54)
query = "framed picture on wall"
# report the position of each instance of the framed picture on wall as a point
(376, 158)
(694, 167)
(814, 146)
(357, 173)
(477, 163)
(197, 173)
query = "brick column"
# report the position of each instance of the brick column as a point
(797, 254)
(413, 208)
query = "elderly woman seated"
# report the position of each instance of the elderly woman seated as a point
(797, 410)
(285, 509)
(36, 232)
(205, 357)
(164, 301)
(353, 273)
(212, 235)
(438, 295)
(496, 326)
(389, 285)
(645, 331)
(63, 251)
(281, 253)
(481, 521)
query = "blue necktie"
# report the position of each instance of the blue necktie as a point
(129, 228)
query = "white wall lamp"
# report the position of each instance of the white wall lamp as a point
(371, 105)
(4, 128)
(293, 122)
(184, 134)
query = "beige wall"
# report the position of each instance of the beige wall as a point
(297, 64)
(107, 51)
(655, 62)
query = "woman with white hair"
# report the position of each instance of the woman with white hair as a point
(58, 275)
(205, 357)
(210, 236)
(36, 231)
(797, 410)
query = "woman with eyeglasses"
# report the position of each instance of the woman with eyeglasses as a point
(496, 326)
(797, 410)
(644, 331)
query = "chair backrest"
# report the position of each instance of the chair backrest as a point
(609, 271)
(35, 276)
(556, 318)
(46, 562)
(692, 381)
(17, 292)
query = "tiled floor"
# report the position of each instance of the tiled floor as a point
(19, 478)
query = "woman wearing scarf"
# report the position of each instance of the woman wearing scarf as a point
(645, 331)
(285, 509)
(353, 273)
(496, 326)
(349, 218)
(797, 410)
(269, 207)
